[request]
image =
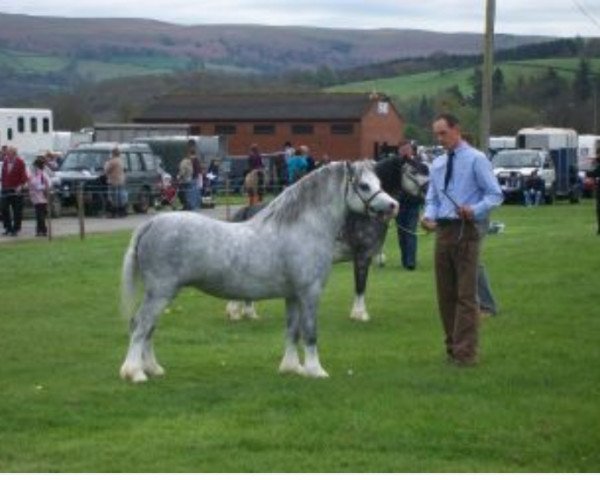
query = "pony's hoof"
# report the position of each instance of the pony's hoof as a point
(315, 372)
(291, 368)
(155, 370)
(139, 377)
(133, 375)
(360, 316)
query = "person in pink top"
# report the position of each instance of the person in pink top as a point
(39, 186)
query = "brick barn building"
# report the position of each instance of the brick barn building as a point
(341, 125)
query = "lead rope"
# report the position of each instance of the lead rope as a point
(410, 232)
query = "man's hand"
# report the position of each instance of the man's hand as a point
(428, 225)
(466, 213)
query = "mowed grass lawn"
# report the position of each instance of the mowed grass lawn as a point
(391, 404)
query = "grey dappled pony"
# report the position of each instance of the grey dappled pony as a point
(361, 237)
(285, 251)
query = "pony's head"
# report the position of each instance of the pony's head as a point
(364, 193)
(402, 174)
(415, 177)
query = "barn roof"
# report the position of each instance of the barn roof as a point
(258, 107)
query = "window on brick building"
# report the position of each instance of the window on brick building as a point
(225, 129)
(264, 129)
(303, 129)
(342, 128)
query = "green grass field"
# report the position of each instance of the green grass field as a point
(391, 404)
(430, 83)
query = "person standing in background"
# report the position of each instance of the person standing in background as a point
(408, 217)
(188, 183)
(115, 178)
(14, 178)
(39, 187)
(310, 161)
(296, 167)
(255, 164)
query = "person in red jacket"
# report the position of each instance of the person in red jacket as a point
(14, 178)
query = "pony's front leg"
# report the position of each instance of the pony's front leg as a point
(308, 320)
(361, 273)
(291, 362)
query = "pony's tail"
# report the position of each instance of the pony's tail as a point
(129, 275)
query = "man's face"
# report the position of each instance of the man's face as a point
(406, 150)
(447, 136)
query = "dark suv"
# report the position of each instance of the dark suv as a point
(84, 166)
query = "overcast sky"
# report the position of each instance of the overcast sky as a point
(539, 17)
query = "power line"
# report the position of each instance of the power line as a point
(584, 10)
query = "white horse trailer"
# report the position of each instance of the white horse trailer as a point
(65, 141)
(502, 143)
(30, 130)
(588, 149)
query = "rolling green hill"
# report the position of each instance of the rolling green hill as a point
(429, 83)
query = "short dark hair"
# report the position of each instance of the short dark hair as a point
(450, 119)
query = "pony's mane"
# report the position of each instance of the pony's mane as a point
(309, 193)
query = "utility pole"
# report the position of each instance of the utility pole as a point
(595, 85)
(486, 86)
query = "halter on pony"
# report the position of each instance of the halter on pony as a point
(350, 181)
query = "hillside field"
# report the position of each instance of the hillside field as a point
(430, 83)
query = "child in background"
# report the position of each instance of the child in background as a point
(39, 187)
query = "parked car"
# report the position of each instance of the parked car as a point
(514, 167)
(84, 166)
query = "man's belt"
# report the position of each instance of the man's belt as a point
(445, 222)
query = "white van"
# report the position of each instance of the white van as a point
(514, 167)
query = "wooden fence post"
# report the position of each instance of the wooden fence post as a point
(49, 214)
(80, 211)
(227, 211)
